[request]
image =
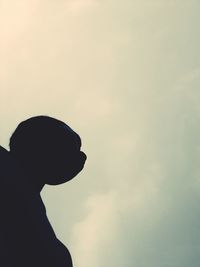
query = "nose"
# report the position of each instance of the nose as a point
(83, 156)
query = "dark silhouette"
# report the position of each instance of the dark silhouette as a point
(43, 150)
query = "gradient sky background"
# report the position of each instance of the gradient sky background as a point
(125, 75)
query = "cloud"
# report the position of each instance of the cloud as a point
(95, 230)
(149, 214)
(109, 228)
(127, 76)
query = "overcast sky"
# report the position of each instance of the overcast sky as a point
(125, 75)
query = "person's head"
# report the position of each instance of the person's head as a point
(48, 148)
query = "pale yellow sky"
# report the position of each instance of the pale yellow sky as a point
(125, 76)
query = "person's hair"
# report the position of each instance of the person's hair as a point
(38, 135)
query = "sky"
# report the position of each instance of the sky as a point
(125, 75)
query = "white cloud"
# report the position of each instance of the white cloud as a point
(95, 231)
(100, 229)
(127, 75)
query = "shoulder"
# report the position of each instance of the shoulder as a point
(5, 160)
(8, 168)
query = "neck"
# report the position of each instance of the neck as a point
(36, 187)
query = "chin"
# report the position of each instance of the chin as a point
(59, 181)
(64, 176)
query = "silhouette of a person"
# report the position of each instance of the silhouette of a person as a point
(43, 150)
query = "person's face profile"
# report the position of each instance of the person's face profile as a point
(66, 168)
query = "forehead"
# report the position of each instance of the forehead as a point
(73, 134)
